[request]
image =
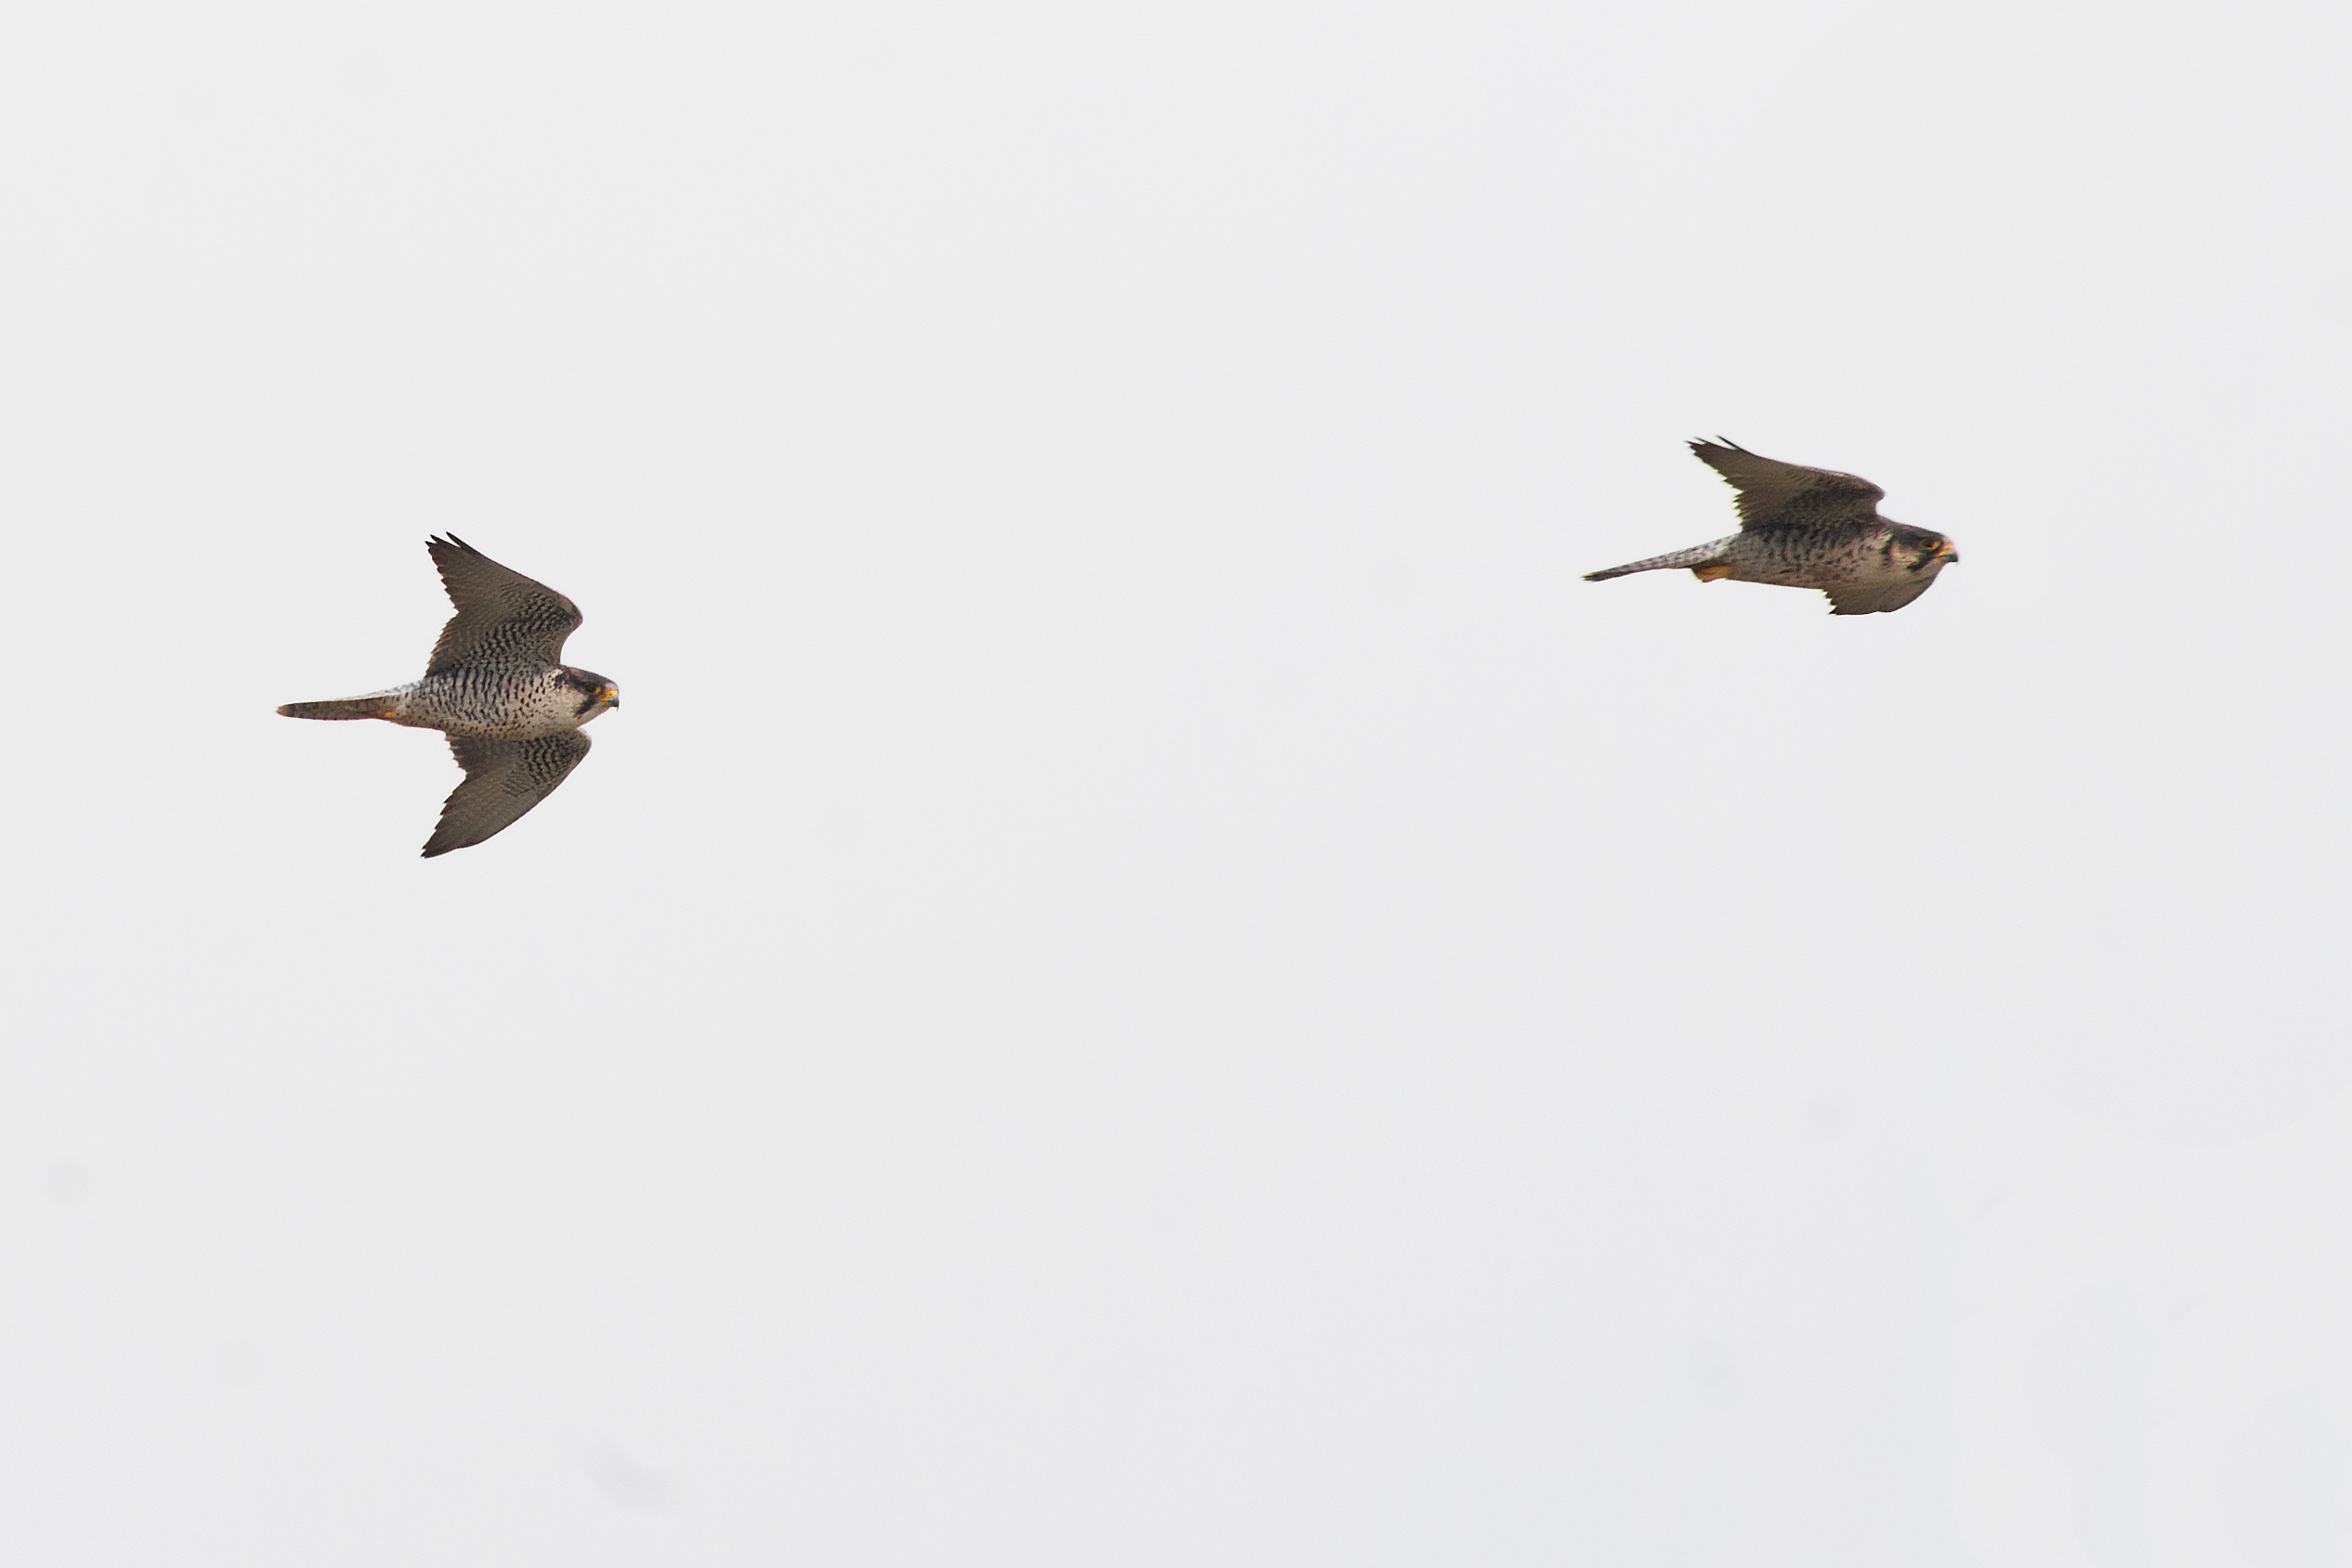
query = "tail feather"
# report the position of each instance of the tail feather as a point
(376, 706)
(1696, 556)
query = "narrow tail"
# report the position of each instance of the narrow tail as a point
(1696, 556)
(377, 705)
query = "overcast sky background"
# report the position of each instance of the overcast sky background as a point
(1144, 976)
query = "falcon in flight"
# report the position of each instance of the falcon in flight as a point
(1809, 528)
(495, 687)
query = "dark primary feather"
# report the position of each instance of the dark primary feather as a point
(1776, 494)
(500, 613)
(503, 780)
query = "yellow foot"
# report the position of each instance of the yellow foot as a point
(1711, 574)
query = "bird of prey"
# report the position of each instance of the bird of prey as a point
(1809, 528)
(495, 687)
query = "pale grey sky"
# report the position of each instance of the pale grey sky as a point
(1145, 976)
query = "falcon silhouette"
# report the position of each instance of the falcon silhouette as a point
(496, 686)
(1809, 528)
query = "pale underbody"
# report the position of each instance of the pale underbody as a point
(499, 702)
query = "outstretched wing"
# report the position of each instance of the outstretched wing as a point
(1774, 494)
(1877, 595)
(503, 780)
(500, 613)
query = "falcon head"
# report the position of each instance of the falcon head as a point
(596, 693)
(1927, 551)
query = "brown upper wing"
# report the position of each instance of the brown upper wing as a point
(503, 780)
(500, 613)
(1775, 494)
